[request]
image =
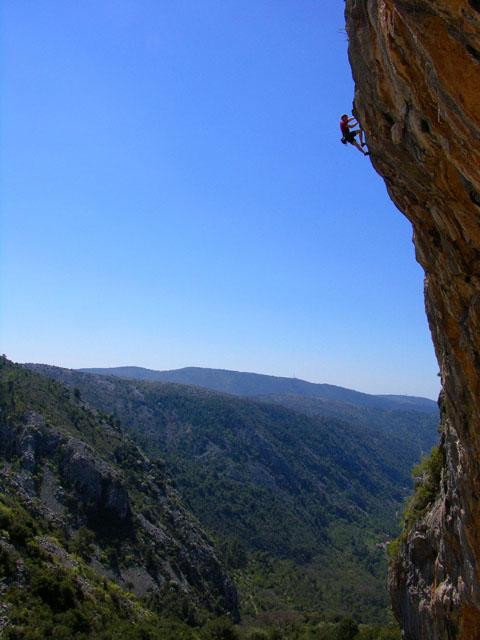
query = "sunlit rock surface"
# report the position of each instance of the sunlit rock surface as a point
(416, 66)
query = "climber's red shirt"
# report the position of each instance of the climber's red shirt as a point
(344, 127)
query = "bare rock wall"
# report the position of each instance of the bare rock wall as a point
(416, 66)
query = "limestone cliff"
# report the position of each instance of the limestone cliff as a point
(416, 67)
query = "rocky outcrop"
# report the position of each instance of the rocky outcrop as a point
(100, 487)
(94, 483)
(416, 66)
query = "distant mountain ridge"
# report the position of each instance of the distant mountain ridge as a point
(257, 384)
(414, 420)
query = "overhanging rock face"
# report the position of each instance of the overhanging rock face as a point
(416, 66)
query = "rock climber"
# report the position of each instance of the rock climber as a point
(346, 126)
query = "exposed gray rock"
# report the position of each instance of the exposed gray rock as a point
(94, 481)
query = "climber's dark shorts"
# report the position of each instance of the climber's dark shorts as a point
(349, 137)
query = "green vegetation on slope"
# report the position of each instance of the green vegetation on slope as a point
(410, 430)
(54, 555)
(427, 477)
(47, 592)
(255, 384)
(86, 519)
(296, 504)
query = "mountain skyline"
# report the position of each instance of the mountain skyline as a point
(250, 383)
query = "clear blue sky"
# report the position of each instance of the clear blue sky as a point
(174, 192)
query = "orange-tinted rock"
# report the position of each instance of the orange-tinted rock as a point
(416, 65)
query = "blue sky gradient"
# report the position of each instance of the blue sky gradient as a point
(174, 193)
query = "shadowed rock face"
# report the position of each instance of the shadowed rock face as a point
(94, 482)
(416, 65)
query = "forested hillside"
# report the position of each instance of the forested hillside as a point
(94, 543)
(255, 384)
(411, 420)
(298, 505)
